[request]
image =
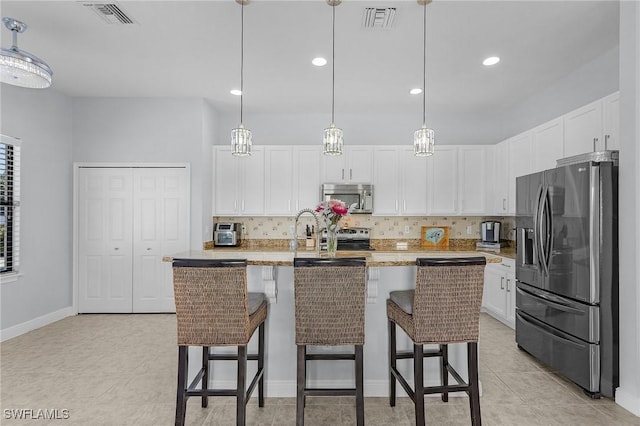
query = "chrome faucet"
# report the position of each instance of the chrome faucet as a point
(295, 229)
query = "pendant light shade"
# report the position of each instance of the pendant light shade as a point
(241, 136)
(332, 138)
(424, 139)
(20, 68)
(332, 142)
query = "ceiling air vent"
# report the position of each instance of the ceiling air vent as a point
(378, 17)
(110, 13)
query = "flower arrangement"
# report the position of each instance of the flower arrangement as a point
(332, 211)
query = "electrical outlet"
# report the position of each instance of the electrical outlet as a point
(469, 230)
(406, 229)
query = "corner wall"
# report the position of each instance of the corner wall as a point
(42, 292)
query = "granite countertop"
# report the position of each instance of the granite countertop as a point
(275, 256)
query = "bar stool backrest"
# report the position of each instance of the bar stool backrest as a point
(448, 295)
(212, 305)
(330, 298)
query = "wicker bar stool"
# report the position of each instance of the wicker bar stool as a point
(444, 308)
(213, 308)
(329, 310)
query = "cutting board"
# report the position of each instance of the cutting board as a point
(434, 237)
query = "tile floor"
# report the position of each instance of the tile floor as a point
(120, 370)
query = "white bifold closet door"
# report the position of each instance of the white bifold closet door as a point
(128, 219)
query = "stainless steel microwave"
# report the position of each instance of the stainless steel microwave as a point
(359, 195)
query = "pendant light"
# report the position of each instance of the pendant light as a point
(20, 68)
(332, 140)
(241, 136)
(424, 138)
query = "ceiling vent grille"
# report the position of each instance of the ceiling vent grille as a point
(110, 13)
(378, 17)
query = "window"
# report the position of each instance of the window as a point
(9, 203)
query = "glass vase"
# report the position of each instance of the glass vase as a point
(332, 241)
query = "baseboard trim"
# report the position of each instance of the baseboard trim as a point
(628, 401)
(27, 326)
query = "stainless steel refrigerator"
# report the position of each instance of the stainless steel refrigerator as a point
(567, 269)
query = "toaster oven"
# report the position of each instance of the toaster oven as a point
(227, 234)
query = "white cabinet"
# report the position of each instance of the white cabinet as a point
(499, 296)
(443, 180)
(548, 144)
(473, 169)
(353, 166)
(306, 176)
(583, 129)
(520, 155)
(611, 121)
(279, 180)
(500, 179)
(128, 219)
(239, 182)
(400, 182)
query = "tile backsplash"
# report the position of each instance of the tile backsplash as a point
(382, 227)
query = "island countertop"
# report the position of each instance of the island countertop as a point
(278, 257)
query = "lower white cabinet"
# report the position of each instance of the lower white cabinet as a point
(499, 297)
(128, 218)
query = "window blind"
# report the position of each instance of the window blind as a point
(9, 203)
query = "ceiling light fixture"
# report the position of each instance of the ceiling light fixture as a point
(491, 60)
(235, 92)
(20, 68)
(240, 136)
(424, 138)
(415, 91)
(332, 138)
(319, 61)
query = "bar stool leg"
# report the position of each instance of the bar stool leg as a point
(181, 400)
(392, 363)
(241, 407)
(474, 393)
(301, 383)
(359, 387)
(444, 372)
(418, 379)
(261, 365)
(205, 375)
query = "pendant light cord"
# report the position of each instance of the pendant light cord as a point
(333, 62)
(241, 57)
(424, 66)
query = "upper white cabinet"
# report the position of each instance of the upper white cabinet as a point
(520, 164)
(306, 176)
(473, 168)
(443, 180)
(239, 182)
(501, 179)
(279, 180)
(548, 144)
(400, 182)
(611, 121)
(355, 165)
(583, 129)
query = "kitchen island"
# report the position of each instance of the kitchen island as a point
(271, 272)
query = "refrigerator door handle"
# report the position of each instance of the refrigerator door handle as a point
(548, 213)
(551, 301)
(536, 226)
(542, 239)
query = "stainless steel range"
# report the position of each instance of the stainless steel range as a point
(350, 239)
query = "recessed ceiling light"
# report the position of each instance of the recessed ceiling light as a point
(491, 60)
(319, 62)
(415, 91)
(235, 92)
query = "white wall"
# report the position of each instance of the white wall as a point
(150, 130)
(628, 395)
(42, 119)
